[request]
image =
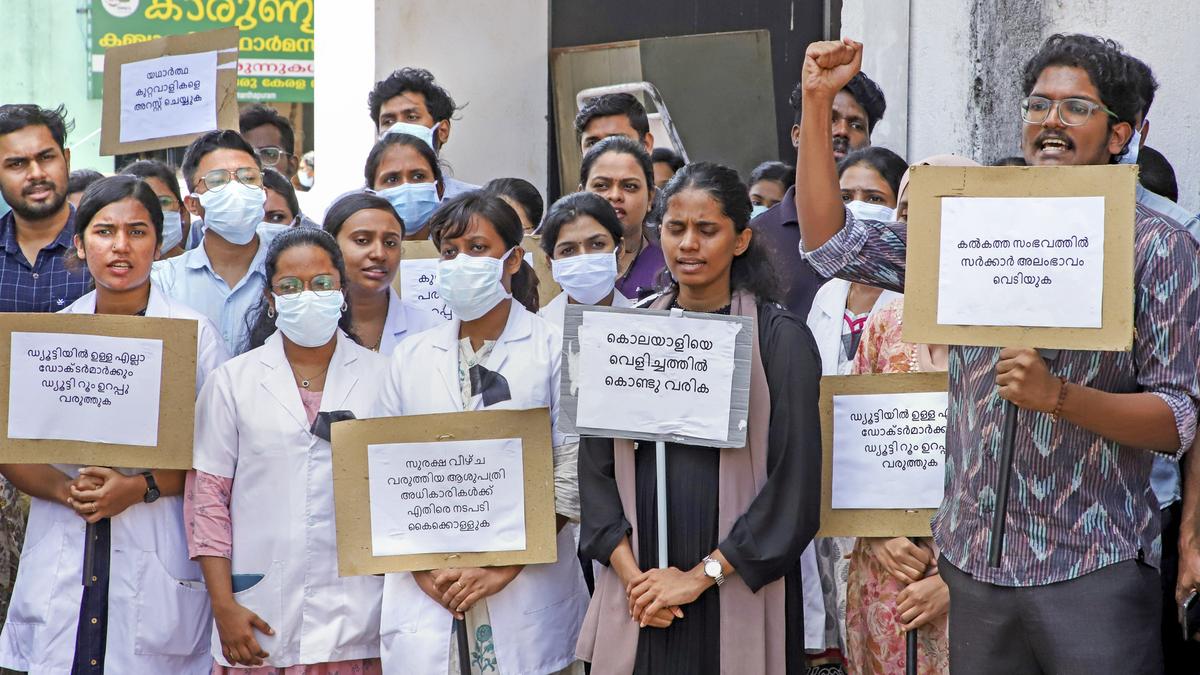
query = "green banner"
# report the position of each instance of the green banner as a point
(275, 57)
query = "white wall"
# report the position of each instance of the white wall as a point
(493, 58)
(883, 28)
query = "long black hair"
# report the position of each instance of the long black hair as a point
(522, 192)
(113, 189)
(887, 164)
(262, 324)
(752, 271)
(351, 203)
(454, 216)
(573, 206)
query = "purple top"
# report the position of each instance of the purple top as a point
(641, 279)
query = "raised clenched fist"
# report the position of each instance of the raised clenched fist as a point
(828, 66)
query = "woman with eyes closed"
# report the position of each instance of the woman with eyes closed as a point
(404, 170)
(146, 610)
(370, 235)
(730, 600)
(619, 169)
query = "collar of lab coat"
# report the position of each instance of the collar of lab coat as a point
(156, 306)
(395, 322)
(518, 328)
(279, 382)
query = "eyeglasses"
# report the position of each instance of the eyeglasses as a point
(217, 179)
(168, 203)
(1071, 111)
(322, 284)
(271, 154)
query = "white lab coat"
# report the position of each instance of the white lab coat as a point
(825, 321)
(156, 622)
(537, 617)
(251, 426)
(403, 321)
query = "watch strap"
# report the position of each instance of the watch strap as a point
(719, 577)
(152, 492)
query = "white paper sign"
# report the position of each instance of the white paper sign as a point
(1028, 261)
(889, 451)
(656, 374)
(91, 388)
(418, 285)
(426, 496)
(168, 96)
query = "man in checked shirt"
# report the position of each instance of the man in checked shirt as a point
(1077, 589)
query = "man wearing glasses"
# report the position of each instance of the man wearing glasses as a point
(273, 139)
(1077, 589)
(222, 277)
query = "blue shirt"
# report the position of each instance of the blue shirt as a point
(191, 279)
(47, 285)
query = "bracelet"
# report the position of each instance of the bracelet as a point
(1062, 396)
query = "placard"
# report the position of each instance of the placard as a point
(1021, 256)
(417, 279)
(883, 464)
(97, 389)
(164, 93)
(656, 375)
(446, 495)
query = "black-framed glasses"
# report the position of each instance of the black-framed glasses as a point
(322, 284)
(271, 154)
(1072, 112)
(217, 179)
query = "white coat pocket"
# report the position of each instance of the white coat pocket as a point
(173, 616)
(40, 560)
(264, 599)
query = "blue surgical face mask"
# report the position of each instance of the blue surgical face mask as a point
(422, 132)
(1135, 146)
(865, 211)
(413, 202)
(757, 210)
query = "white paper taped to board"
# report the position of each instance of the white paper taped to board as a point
(1021, 261)
(656, 374)
(889, 450)
(93, 388)
(447, 497)
(418, 285)
(168, 96)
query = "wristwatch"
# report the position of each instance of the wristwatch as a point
(712, 570)
(152, 492)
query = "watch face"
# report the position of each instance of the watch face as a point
(712, 568)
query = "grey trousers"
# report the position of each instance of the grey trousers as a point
(1108, 621)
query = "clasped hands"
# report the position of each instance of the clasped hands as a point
(924, 596)
(655, 596)
(100, 492)
(459, 589)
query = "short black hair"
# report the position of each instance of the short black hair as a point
(80, 179)
(1147, 84)
(776, 171)
(1015, 160)
(1156, 174)
(226, 139)
(273, 180)
(152, 168)
(522, 192)
(622, 146)
(614, 104)
(381, 146)
(113, 189)
(862, 88)
(259, 115)
(17, 116)
(351, 203)
(886, 163)
(418, 80)
(1108, 67)
(667, 156)
(567, 209)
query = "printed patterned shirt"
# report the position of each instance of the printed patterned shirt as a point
(1079, 501)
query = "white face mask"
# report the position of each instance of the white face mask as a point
(865, 211)
(172, 230)
(757, 210)
(1135, 146)
(587, 278)
(471, 285)
(234, 211)
(307, 318)
(422, 132)
(305, 179)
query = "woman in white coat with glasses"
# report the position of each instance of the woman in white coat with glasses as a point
(261, 506)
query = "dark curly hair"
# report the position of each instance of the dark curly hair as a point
(752, 271)
(1110, 69)
(862, 88)
(416, 80)
(17, 116)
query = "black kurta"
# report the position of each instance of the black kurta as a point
(765, 542)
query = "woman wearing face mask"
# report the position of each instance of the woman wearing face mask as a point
(581, 235)
(307, 171)
(519, 619)
(730, 600)
(369, 233)
(176, 219)
(404, 170)
(870, 180)
(619, 170)
(769, 183)
(893, 584)
(260, 508)
(146, 610)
